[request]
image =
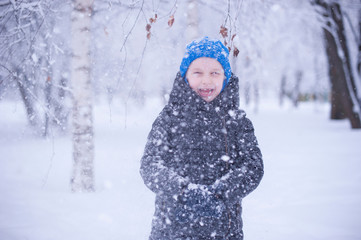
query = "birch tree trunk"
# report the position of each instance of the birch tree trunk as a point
(82, 179)
(192, 31)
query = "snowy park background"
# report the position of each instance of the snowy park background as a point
(311, 188)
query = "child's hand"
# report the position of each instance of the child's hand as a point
(219, 189)
(202, 202)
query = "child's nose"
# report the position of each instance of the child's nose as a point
(206, 79)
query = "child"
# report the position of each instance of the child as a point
(202, 156)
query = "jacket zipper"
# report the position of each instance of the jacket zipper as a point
(227, 166)
(225, 140)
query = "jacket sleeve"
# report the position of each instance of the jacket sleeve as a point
(157, 175)
(247, 170)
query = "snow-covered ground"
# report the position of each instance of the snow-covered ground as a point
(311, 188)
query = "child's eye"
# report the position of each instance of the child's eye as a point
(215, 73)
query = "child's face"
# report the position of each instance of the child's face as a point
(205, 76)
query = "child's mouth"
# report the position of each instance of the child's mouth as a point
(205, 92)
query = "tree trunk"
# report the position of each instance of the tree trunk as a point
(283, 89)
(48, 90)
(343, 87)
(32, 115)
(296, 89)
(82, 179)
(344, 101)
(60, 110)
(359, 45)
(192, 31)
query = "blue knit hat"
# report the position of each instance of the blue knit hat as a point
(206, 47)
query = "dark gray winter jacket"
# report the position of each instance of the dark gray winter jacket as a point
(206, 144)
